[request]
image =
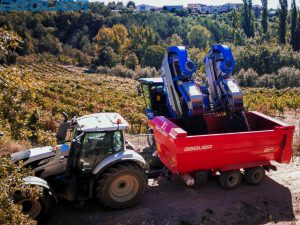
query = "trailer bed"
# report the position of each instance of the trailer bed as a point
(218, 148)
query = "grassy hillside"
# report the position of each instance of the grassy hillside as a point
(32, 98)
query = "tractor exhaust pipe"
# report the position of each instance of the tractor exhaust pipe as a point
(188, 179)
(66, 117)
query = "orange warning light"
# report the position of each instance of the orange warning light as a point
(119, 121)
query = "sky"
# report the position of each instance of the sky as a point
(272, 3)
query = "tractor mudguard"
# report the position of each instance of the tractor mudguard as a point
(127, 155)
(36, 181)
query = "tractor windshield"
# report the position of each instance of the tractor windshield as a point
(97, 145)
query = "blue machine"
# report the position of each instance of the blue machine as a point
(177, 95)
(225, 93)
(184, 96)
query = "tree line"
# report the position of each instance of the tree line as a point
(103, 37)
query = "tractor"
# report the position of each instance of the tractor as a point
(92, 160)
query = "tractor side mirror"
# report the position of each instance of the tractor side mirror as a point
(139, 90)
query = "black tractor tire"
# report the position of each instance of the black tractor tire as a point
(121, 186)
(230, 179)
(150, 138)
(255, 176)
(35, 208)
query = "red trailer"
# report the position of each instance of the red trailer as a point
(221, 151)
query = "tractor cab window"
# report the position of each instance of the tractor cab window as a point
(147, 96)
(97, 145)
(158, 99)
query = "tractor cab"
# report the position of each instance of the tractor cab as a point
(154, 95)
(95, 137)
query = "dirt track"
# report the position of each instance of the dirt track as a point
(276, 200)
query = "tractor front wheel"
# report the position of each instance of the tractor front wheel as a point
(35, 208)
(121, 186)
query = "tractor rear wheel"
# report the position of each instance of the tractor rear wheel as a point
(255, 176)
(230, 179)
(121, 186)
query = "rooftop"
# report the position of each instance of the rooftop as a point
(151, 80)
(102, 122)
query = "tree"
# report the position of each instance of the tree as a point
(174, 40)
(283, 11)
(199, 36)
(153, 56)
(9, 43)
(115, 37)
(131, 61)
(131, 4)
(298, 33)
(248, 19)
(141, 38)
(294, 26)
(264, 19)
(107, 57)
(235, 19)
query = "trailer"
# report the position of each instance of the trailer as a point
(222, 152)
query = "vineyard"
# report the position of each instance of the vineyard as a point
(33, 97)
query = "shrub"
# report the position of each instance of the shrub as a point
(11, 177)
(103, 70)
(247, 78)
(8, 146)
(146, 72)
(288, 77)
(266, 58)
(122, 71)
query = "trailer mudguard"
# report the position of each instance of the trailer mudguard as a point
(127, 155)
(36, 181)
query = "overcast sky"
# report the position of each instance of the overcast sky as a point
(272, 3)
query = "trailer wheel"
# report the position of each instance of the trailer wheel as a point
(35, 208)
(255, 176)
(230, 179)
(121, 186)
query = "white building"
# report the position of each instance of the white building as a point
(144, 7)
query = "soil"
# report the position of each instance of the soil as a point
(170, 201)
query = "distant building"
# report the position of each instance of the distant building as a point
(272, 13)
(208, 9)
(194, 7)
(173, 8)
(144, 7)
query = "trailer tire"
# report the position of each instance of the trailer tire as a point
(255, 176)
(230, 179)
(121, 186)
(32, 207)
